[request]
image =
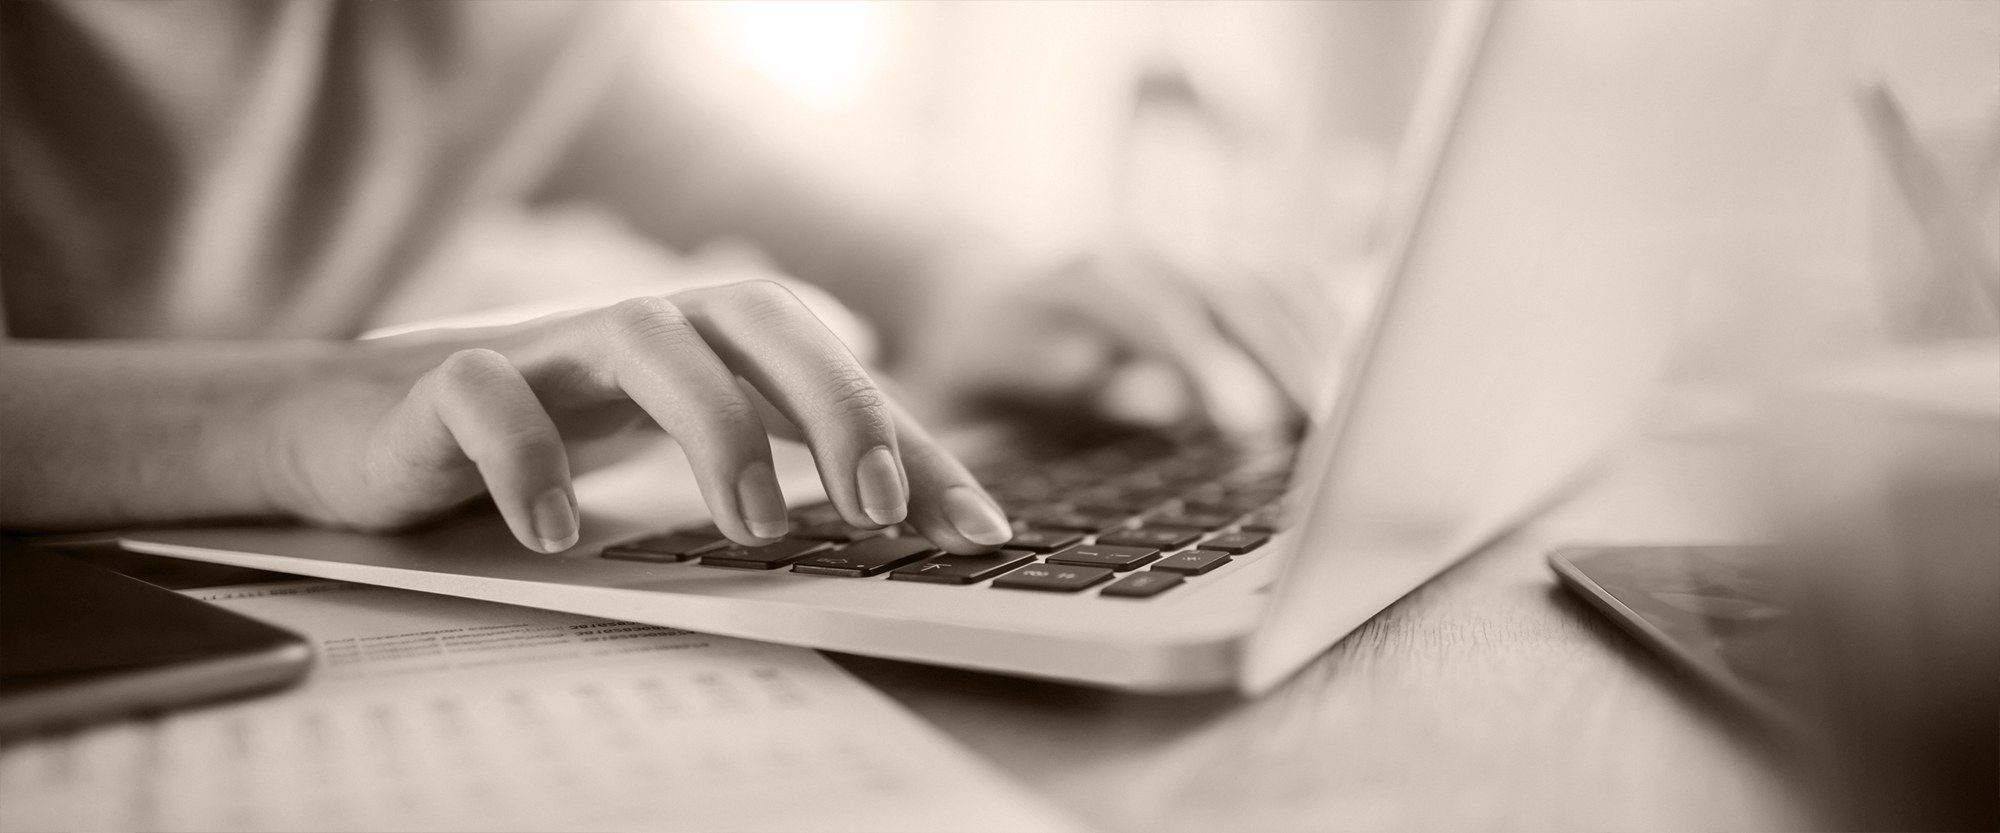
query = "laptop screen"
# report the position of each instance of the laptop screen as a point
(1519, 326)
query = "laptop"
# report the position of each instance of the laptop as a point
(1506, 352)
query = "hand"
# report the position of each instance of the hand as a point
(413, 425)
(1135, 338)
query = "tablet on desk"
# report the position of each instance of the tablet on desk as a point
(1713, 610)
(81, 643)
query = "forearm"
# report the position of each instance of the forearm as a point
(113, 433)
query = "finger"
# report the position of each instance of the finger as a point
(1235, 393)
(763, 333)
(476, 406)
(1160, 315)
(1289, 320)
(648, 350)
(947, 504)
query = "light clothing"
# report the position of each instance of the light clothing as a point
(210, 168)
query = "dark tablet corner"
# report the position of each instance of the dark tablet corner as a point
(1713, 610)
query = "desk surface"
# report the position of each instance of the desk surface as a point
(1488, 699)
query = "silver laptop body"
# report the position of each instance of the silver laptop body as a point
(1506, 352)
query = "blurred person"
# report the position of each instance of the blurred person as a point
(205, 203)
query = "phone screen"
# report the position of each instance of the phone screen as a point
(79, 643)
(1715, 610)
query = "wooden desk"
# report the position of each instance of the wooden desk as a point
(1488, 699)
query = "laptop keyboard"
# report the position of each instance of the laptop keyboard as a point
(1130, 520)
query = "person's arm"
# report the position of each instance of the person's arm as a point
(962, 319)
(381, 434)
(102, 434)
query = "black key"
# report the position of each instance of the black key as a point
(837, 531)
(1226, 504)
(1236, 543)
(1193, 562)
(1140, 480)
(1043, 540)
(1031, 508)
(1158, 494)
(1143, 584)
(1078, 521)
(1054, 578)
(1263, 520)
(1156, 537)
(872, 557)
(1118, 507)
(1207, 497)
(1099, 555)
(1070, 478)
(1194, 520)
(962, 569)
(1093, 494)
(1113, 500)
(668, 548)
(767, 557)
(1018, 491)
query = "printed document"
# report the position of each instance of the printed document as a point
(427, 712)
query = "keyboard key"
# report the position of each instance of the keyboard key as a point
(664, 548)
(837, 531)
(1032, 508)
(1207, 521)
(962, 569)
(1264, 520)
(1224, 504)
(1100, 555)
(1193, 562)
(1144, 584)
(872, 557)
(1236, 543)
(815, 514)
(1154, 537)
(1043, 540)
(1117, 504)
(767, 557)
(1054, 578)
(1076, 521)
(1013, 493)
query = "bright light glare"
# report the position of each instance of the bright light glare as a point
(822, 51)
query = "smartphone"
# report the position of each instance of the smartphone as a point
(1717, 611)
(80, 643)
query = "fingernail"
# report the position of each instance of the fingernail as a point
(881, 487)
(975, 516)
(555, 520)
(762, 505)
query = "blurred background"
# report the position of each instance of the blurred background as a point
(1817, 182)
(1834, 214)
(1260, 138)
(1194, 124)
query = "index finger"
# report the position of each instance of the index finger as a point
(766, 335)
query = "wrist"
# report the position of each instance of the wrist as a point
(283, 424)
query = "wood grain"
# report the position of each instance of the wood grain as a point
(1489, 699)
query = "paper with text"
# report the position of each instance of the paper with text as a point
(427, 712)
